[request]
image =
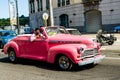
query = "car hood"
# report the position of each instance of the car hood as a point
(67, 38)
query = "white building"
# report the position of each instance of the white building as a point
(85, 15)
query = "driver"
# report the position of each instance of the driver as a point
(36, 35)
(100, 36)
(99, 33)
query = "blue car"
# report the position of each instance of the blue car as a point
(5, 36)
(117, 29)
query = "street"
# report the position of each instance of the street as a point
(108, 69)
(42, 28)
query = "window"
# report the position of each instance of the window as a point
(55, 30)
(32, 6)
(59, 2)
(47, 4)
(67, 2)
(39, 4)
(63, 2)
(9, 33)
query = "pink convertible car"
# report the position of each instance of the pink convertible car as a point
(58, 47)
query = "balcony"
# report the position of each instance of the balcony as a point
(90, 2)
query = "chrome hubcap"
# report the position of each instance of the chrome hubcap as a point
(12, 56)
(64, 62)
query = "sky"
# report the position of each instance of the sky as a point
(22, 8)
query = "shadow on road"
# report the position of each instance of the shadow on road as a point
(4, 60)
(44, 65)
(29, 62)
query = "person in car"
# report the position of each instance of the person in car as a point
(36, 34)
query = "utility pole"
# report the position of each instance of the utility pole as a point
(51, 13)
(17, 16)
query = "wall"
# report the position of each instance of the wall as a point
(110, 14)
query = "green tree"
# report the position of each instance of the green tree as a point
(22, 21)
(4, 22)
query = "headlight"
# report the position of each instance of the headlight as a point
(81, 49)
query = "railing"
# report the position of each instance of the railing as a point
(90, 2)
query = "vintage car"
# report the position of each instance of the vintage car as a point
(58, 47)
(28, 30)
(5, 36)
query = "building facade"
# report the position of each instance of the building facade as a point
(85, 15)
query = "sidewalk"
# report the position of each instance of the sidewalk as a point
(94, 35)
(113, 48)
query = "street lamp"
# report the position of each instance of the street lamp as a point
(17, 16)
(51, 13)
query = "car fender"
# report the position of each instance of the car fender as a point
(14, 45)
(2, 41)
(69, 51)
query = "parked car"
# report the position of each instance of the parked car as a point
(21, 31)
(5, 36)
(73, 31)
(57, 47)
(117, 29)
(28, 30)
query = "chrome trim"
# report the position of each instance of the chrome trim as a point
(64, 42)
(94, 60)
(87, 53)
(89, 56)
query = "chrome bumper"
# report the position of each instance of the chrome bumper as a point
(94, 60)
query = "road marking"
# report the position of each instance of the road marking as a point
(112, 58)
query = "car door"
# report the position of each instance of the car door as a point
(23, 45)
(37, 49)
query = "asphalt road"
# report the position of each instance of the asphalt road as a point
(108, 69)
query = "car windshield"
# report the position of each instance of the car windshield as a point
(55, 30)
(6, 33)
(74, 32)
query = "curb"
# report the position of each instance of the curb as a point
(115, 51)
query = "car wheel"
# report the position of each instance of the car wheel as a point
(110, 42)
(12, 56)
(64, 63)
(1, 45)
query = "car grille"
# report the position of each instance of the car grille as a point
(89, 52)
